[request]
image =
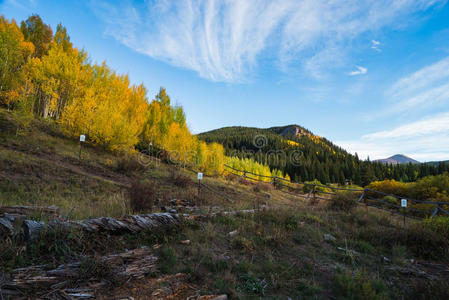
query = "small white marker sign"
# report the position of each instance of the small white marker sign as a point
(200, 176)
(403, 202)
(82, 138)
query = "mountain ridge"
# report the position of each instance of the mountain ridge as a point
(304, 156)
(397, 159)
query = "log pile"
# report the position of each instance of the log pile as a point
(133, 264)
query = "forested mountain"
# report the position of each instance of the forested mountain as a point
(305, 156)
(436, 163)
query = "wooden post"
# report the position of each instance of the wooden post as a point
(314, 193)
(82, 139)
(200, 177)
(435, 211)
(403, 211)
(308, 195)
(362, 197)
(79, 155)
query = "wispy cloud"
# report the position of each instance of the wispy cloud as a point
(359, 71)
(27, 5)
(224, 40)
(426, 139)
(375, 45)
(425, 88)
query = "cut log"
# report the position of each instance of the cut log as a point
(9, 224)
(33, 230)
(121, 267)
(29, 210)
(149, 222)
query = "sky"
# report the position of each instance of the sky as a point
(371, 76)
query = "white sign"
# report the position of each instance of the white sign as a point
(82, 138)
(403, 202)
(200, 176)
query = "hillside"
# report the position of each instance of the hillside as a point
(305, 156)
(284, 248)
(397, 159)
(437, 163)
(292, 149)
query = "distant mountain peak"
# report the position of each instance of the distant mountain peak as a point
(398, 159)
(292, 130)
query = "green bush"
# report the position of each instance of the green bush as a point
(252, 285)
(431, 187)
(167, 259)
(391, 199)
(308, 186)
(359, 286)
(439, 224)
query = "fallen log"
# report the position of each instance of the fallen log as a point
(9, 224)
(135, 223)
(31, 230)
(42, 278)
(29, 210)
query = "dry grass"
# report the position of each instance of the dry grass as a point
(278, 253)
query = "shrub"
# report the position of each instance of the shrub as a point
(389, 187)
(391, 199)
(427, 289)
(358, 286)
(252, 285)
(439, 224)
(167, 259)
(179, 179)
(128, 164)
(308, 186)
(141, 195)
(262, 187)
(432, 187)
(426, 243)
(343, 201)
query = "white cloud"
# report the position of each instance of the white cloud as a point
(375, 45)
(426, 88)
(434, 125)
(359, 71)
(422, 79)
(224, 40)
(423, 91)
(426, 140)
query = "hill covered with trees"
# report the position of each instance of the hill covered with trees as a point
(305, 156)
(45, 76)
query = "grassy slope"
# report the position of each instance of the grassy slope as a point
(278, 253)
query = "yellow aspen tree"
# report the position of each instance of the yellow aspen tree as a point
(14, 53)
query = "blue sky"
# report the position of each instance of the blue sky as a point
(371, 76)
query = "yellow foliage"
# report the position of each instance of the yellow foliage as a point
(59, 77)
(14, 53)
(292, 143)
(389, 187)
(110, 111)
(263, 172)
(95, 101)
